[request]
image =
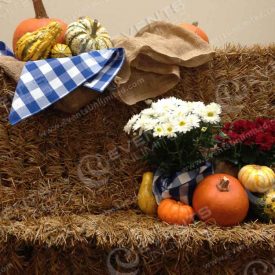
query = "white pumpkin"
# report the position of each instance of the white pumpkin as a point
(257, 178)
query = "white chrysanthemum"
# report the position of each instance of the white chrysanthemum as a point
(149, 124)
(164, 119)
(211, 113)
(140, 124)
(164, 105)
(169, 130)
(170, 116)
(129, 126)
(194, 120)
(175, 101)
(197, 107)
(158, 131)
(188, 107)
(148, 112)
(182, 125)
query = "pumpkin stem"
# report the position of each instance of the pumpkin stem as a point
(94, 28)
(196, 23)
(39, 9)
(223, 185)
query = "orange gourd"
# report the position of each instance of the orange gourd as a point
(33, 24)
(175, 212)
(221, 199)
(194, 28)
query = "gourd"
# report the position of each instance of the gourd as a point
(60, 50)
(146, 199)
(87, 35)
(194, 28)
(175, 212)
(41, 20)
(264, 206)
(221, 199)
(257, 178)
(37, 45)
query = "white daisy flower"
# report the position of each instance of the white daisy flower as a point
(182, 125)
(164, 105)
(128, 127)
(149, 124)
(158, 131)
(175, 101)
(193, 120)
(197, 107)
(169, 116)
(169, 130)
(183, 109)
(140, 124)
(148, 112)
(211, 113)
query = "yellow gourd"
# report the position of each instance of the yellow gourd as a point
(60, 51)
(257, 178)
(37, 45)
(146, 200)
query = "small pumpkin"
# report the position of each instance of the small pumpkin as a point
(223, 198)
(60, 50)
(37, 45)
(87, 35)
(146, 199)
(175, 212)
(264, 206)
(194, 28)
(41, 20)
(256, 178)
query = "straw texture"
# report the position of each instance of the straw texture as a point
(48, 200)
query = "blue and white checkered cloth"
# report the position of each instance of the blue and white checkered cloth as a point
(181, 185)
(44, 82)
(4, 50)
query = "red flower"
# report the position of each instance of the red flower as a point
(242, 126)
(233, 135)
(265, 141)
(260, 132)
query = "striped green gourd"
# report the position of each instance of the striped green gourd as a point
(87, 35)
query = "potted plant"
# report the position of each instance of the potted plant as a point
(179, 135)
(245, 142)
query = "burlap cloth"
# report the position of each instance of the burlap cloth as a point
(152, 66)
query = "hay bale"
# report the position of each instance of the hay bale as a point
(89, 244)
(54, 218)
(45, 159)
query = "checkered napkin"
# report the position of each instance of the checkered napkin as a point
(44, 82)
(181, 185)
(4, 50)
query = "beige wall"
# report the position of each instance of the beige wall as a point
(238, 21)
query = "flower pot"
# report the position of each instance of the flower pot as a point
(180, 185)
(226, 167)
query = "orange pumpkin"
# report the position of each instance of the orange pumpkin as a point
(41, 20)
(194, 28)
(175, 212)
(221, 199)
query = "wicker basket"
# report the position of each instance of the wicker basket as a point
(56, 219)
